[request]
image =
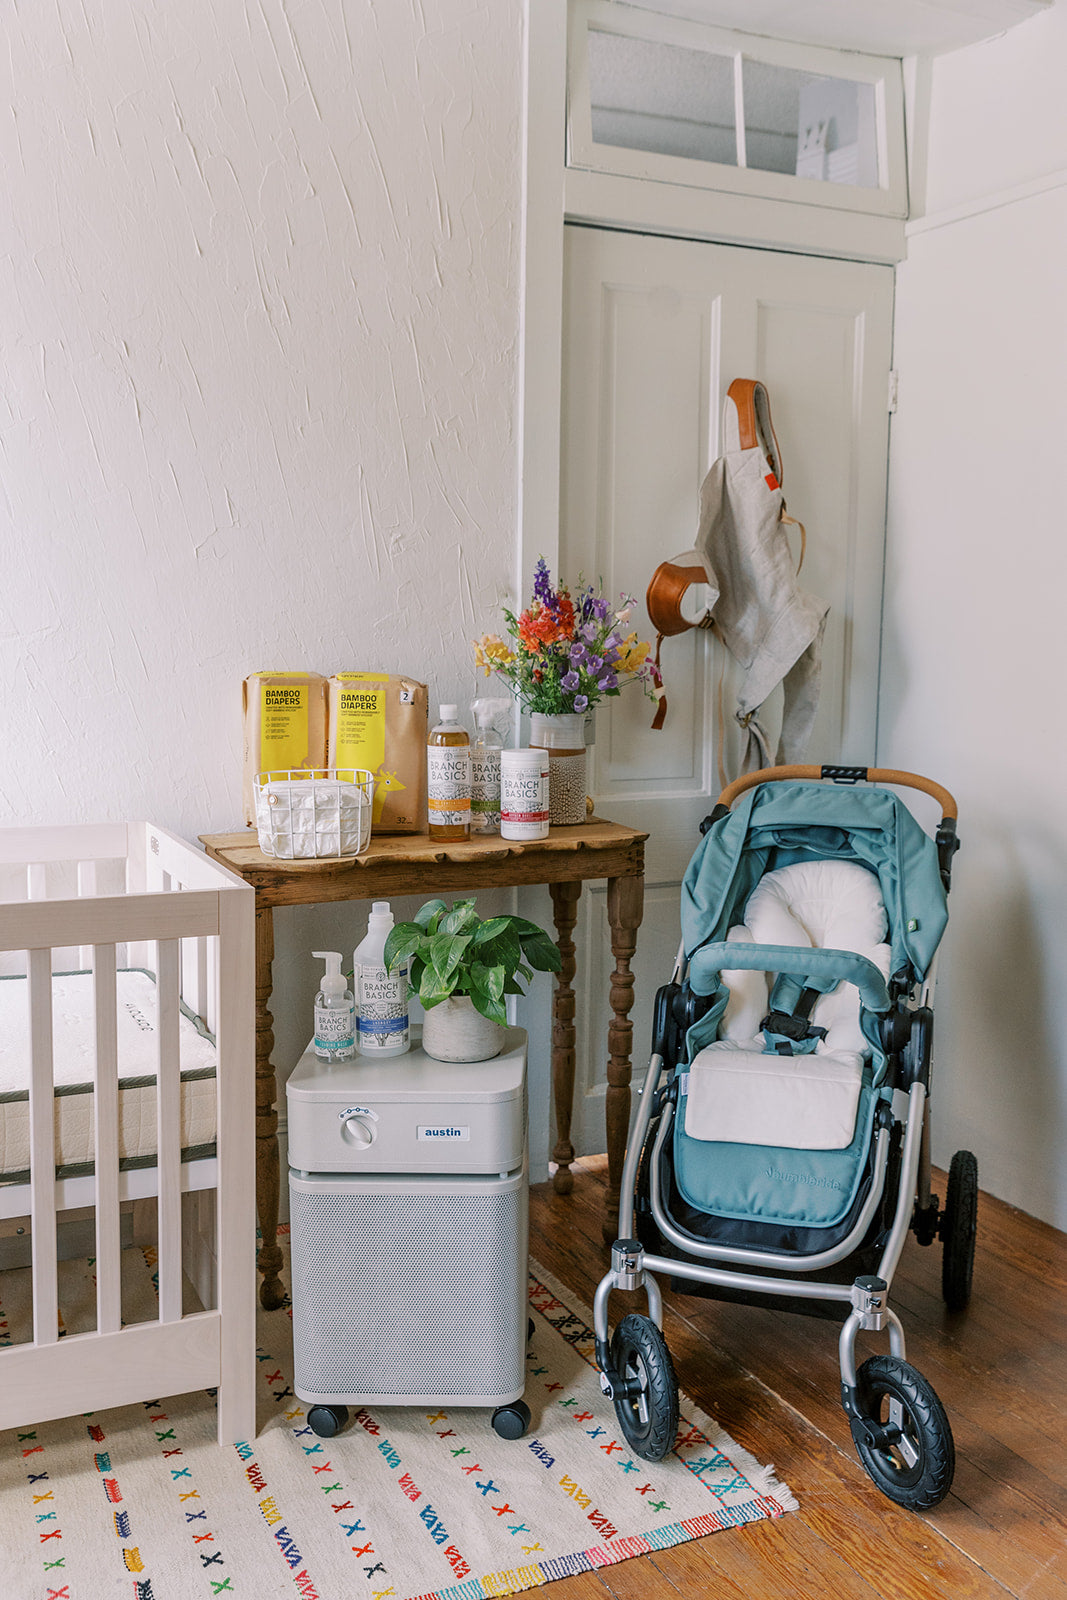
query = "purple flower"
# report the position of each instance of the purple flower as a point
(593, 664)
(608, 681)
(580, 702)
(542, 583)
(577, 652)
(590, 631)
(569, 681)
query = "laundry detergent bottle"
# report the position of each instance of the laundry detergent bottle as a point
(382, 1027)
(334, 1011)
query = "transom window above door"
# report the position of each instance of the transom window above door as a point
(663, 98)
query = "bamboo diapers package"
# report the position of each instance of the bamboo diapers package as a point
(284, 727)
(378, 720)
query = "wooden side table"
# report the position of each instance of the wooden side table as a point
(416, 864)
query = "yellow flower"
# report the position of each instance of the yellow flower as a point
(491, 652)
(636, 654)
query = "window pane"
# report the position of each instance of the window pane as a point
(662, 98)
(810, 126)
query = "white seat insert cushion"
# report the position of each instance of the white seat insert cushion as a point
(740, 1096)
(824, 904)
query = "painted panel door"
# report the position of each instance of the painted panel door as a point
(655, 330)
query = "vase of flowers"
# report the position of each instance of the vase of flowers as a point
(563, 655)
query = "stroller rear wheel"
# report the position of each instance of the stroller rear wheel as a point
(959, 1226)
(903, 1437)
(648, 1416)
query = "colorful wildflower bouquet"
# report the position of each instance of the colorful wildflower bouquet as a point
(567, 652)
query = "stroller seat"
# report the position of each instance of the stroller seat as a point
(740, 1089)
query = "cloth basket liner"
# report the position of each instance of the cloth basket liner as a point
(773, 1183)
(738, 1094)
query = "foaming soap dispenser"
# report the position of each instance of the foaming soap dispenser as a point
(382, 1028)
(335, 1009)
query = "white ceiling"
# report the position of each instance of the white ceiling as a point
(880, 27)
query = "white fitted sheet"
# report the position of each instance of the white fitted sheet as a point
(73, 1058)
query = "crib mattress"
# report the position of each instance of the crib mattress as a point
(73, 1055)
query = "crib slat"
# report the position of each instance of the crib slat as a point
(87, 882)
(168, 1132)
(106, 1107)
(42, 1151)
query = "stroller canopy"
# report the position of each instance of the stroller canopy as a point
(777, 824)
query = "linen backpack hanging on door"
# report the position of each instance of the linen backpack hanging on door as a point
(771, 626)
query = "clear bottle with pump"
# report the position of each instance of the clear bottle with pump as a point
(448, 777)
(382, 1025)
(485, 767)
(334, 1012)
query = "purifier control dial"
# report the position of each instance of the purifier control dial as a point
(358, 1126)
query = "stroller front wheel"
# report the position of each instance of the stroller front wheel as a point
(903, 1436)
(648, 1415)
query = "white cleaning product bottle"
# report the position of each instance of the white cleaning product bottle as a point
(334, 1011)
(383, 996)
(485, 767)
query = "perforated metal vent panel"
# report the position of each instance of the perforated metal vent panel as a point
(398, 1294)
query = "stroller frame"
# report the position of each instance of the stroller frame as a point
(913, 1468)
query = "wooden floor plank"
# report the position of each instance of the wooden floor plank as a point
(772, 1380)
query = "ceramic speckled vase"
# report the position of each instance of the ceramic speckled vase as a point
(563, 736)
(454, 1031)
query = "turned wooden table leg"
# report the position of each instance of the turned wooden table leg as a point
(565, 898)
(626, 901)
(271, 1292)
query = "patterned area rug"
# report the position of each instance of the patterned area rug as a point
(406, 1504)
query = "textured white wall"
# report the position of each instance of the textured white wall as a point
(973, 662)
(259, 302)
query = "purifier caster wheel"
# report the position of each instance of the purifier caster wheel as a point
(648, 1414)
(511, 1421)
(959, 1228)
(903, 1437)
(327, 1420)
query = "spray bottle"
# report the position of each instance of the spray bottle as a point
(485, 766)
(334, 1011)
(383, 996)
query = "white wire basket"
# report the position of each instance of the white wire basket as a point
(314, 814)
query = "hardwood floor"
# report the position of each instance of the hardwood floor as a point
(772, 1380)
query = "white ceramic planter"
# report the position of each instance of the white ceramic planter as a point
(454, 1031)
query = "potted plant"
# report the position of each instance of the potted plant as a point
(461, 966)
(566, 653)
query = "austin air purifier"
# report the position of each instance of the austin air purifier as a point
(408, 1190)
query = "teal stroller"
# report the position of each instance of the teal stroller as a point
(781, 1150)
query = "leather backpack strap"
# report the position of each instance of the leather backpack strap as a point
(663, 597)
(754, 426)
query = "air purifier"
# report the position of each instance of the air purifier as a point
(408, 1193)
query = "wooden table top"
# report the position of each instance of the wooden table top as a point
(417, 864)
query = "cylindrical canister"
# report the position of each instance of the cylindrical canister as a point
(524, 794)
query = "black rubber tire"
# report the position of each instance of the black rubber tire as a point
(327, 1420)
(959, 1229)
(649, 1423)
(920, 1476)
(511, 1421)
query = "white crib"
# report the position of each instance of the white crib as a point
(104, 898)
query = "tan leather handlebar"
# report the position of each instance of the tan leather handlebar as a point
(909, 780)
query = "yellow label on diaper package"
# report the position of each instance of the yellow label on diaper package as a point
(359, 740)
(283, 726)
